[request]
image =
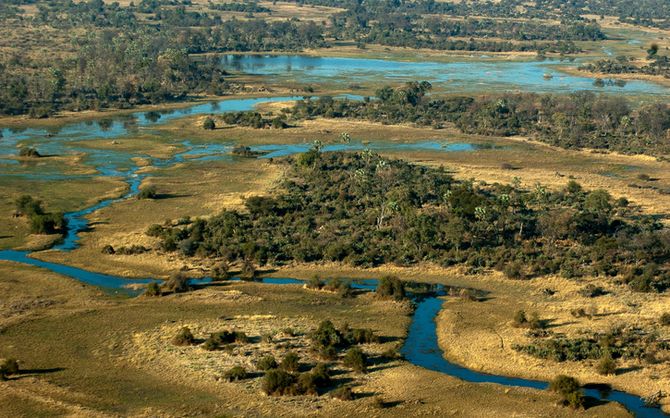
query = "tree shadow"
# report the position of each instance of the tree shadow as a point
(624, 370)
(24, 373)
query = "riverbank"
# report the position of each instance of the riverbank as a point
(481, 336)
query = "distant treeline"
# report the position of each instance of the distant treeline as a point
(653, 13)
(110, 69)
(577, 120)
(364, 210)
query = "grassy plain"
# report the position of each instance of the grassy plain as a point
(108, 358)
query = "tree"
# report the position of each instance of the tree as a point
(356, 360)
(569, 389)
(8, 367)
(177, 283)
(184, 337)
(290, 362)
(606, 365)
(209, 124)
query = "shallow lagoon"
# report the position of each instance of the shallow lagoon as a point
(464, 77)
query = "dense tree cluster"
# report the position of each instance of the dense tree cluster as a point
(577, 120)
(361, 209)
(659, 65)
(41, 222)
(110, 69)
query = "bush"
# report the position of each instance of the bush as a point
(155, 230)
(29, 152)
(592, 291)
(209, 124)
(291, 362)
(153, 289)
(267, 363)
(665, 319)
(343, 393)
(606, 366)
(184, 337)
(177, 283)
(8, 367)
(108, 249)
(211, 343)
(221, 271)
(234, 374)
(358, 335)
(356, 360)
(391, 288)
(278, 382)
(569, 389)
(326, 336)
(321, 375)
(314, 283)
(148, 192)
(532, 322)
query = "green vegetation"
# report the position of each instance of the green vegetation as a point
(267, 363)
(619, 342)
(178, 282)
(8, 367)
(659, 65)
(569, 389)
(29, 152)
(290, 362)
(148, 192)
(184, 337)
(577, 120)
(356, 360)
(41, 222)
(391, 288)
(209, 124)
(235, 373)
(606, 365)
(361, 209)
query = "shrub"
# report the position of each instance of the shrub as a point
(592, 291)
(236, 373)
(306, 384)
(148, 192)
(314, 283)
(665, 319)
(520, 319)
(391, 288)
(209, 124)
(606, 366)
(321, 375)
(267, 363)
(29, 152)
(8, 367)
(291, 362)
(177, 283)
(358, 335)
(532, 322)
(343, 393)
(155, 230)
(211, 343)
(569, 389)
(184, 337)
(153, 289)
(356, 360)
(108, 249)
(342, 287)
(326, 336)
(221, 271)
(278, 382)
(248, 269)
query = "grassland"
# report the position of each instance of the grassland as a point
(103, 359)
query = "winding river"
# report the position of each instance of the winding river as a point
(421, 346)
